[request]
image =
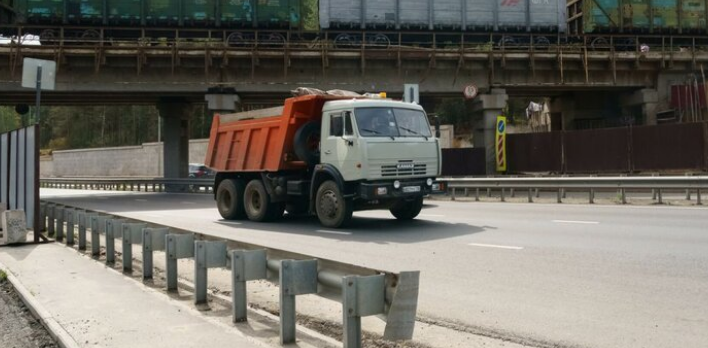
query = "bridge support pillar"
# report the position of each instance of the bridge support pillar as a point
(486, 108)
(647, 99)
(175, 127)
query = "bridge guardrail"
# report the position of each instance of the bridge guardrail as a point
(362, 291)
(655, 184)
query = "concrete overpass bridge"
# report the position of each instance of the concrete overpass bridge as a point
(174, 70)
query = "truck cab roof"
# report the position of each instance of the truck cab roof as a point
(367, 103)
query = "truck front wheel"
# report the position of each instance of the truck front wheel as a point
(257, 202)
(229, 199)
(407, 210)
(332, 208)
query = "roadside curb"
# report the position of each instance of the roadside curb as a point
(55, 330)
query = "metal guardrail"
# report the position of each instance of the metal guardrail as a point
(362, 291)
(654, 184)
(131, 184)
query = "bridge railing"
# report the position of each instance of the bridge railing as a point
(533, 185)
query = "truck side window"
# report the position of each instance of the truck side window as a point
(348, 129)
(335, 126)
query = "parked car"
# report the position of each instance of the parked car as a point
(200, 171)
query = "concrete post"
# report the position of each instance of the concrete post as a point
(648, 99)
(175, 123)
(488, 107)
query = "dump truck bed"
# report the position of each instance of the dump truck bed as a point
(262, 140)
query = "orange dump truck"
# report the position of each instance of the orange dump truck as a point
(323, 155)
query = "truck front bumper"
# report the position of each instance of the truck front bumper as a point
(386, 189)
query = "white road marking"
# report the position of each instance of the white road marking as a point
(496, 246)
(576, 222)
(432, 215)
(334, 232)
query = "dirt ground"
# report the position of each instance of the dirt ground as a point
(18, 328)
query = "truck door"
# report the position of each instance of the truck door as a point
(339, 145)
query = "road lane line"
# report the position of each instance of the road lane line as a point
(496, 246)
(334, 232)
(576, 222)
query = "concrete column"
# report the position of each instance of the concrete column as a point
(648, 99)
(486, 108)
(175, 130)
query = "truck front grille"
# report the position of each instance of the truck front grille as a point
(397, 170)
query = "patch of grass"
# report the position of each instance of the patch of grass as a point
(3, 276)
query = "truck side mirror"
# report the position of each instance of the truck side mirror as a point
(437, 127)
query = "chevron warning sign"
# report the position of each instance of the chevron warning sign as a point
(501, 144)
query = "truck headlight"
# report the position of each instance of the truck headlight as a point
(429, 182)
(396, 184)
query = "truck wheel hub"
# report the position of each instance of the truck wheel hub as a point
(329, 204)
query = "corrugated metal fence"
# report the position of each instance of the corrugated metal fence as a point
(616, 150)
(675, 147)
(19, 173)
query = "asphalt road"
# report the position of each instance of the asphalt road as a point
(541, 274)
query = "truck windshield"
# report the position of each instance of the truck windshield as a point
(391, 122)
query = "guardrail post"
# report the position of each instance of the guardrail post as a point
(296, 278)
(361, 297)
(179, 246)
(153, 239)
(661, 201)
(530, 196)
(84, 222)
(98, 225)
(591, 197)
(454, 190)
(502, 195)
(560, 195)
(623, 196)
(43, 216)
(132, 234)
(69, 217)
(538, 193)
(59, 216)
(512, 193)
(698, 197)
(207, 254)
(467, 192)
(114, 230)
(476, 195)
(489, 193)
(245, 266)
(50, 219)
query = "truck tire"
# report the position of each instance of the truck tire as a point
(256, 202)
(332, 208)
(229, 199)
(407, 210)
(307, 143)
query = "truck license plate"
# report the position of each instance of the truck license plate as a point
(409, 189)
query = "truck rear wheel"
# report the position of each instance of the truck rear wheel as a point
(229, 199)
(407, 210)
(257, 202)
(332, 208)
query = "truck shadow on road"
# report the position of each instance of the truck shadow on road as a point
(366, 229)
